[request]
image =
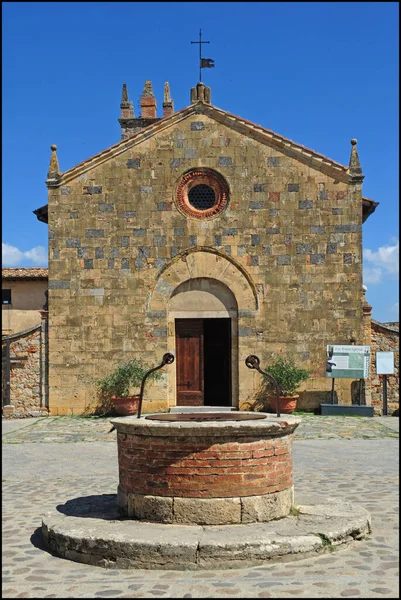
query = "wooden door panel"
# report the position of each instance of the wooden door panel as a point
(189, 359)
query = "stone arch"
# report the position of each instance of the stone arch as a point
(203, 263)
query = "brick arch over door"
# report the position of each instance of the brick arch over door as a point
(203, 263)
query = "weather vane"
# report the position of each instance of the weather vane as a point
(204, 63)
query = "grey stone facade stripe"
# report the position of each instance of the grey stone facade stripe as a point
(114, 253)
(331, 249)
(96, 292)
(133, 163)
(256, 204)
(92, 189)
(125, 263)
(146, 189)
(284, 259)
(267, 250)
(73, 242)
(99, 253)
(225, 161)
(94, 233)
(317, 259)
(124, 241)
(82, 252)
(129, 214)
(144, 252)
(244, 331)
(273, 230)
(139, 232)
(179, 231)
(273, 161)
(160, 332)
(159, 240)
(190, 153)
(162, 206)
(59, 284)
(303, 249)
(293, 187)
(88, 263)
(175, 163)
(103, 207)
(347, 228)
(347, 258)
(192, 240)
(317, 229)
(197, 126)
(305, 204)
(254, 261)
(337, 211)
(259, 187)
(230, 231)
(74, 215)
(255, 239)
(56, 253)
(273, 212)
(65, 191)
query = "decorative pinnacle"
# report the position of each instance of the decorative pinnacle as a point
(167, 97)
(124, 94)
(54, 169)
(147, 90)
(354, 168)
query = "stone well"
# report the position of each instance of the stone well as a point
(205, 472)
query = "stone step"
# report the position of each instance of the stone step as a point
(198, 409)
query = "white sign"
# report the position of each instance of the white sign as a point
(385, 363)
(350, 362)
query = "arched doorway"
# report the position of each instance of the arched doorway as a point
(203, 332)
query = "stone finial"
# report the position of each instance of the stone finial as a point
(147, 90)
(54, 169)
(131, 109)
(354, 168)
(124, 95)
(168, 105)
(201, 93)
(126, 106)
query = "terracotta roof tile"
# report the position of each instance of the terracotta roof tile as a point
(25, 273)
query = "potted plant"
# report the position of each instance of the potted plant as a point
(288, 377)
(116, 387)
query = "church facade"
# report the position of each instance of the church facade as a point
(210, 237)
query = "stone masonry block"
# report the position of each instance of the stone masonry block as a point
(73, 242)
(331, 249)
(103, 207)
(139, 232)
(82, 252)
(124, 241)
(337, 211)
(347, 257)
(317, 229)
(225, 161)
(347, 228)
(197, 126)
(146, 189)
(255, 240)
(259, 187)
(317, 259)
(61, 284)
(88, 263)
(134, 163)
(256, 204)
(284, 259)
(190, 153)
(159, 240)
(304, 248)
(273, 230)
(305, 204)
(205, 511)
(129, 214)
(293, 187)
(273, 161)
(99, 253)
(94, 233)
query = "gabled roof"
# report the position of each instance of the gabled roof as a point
(261, 134)
(25, 273)
(247, 128)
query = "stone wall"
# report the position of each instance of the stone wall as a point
(25, 376)
(385, 338)
(290, 239)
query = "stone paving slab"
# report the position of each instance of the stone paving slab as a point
(90, 429)
(37, 477)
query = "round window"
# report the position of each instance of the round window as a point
(202, 197)
(202, 193)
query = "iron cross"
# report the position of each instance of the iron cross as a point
(200, 52)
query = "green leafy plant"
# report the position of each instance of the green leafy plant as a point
(287, 375)
(126, 376)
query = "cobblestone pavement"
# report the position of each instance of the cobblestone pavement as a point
(48, 461)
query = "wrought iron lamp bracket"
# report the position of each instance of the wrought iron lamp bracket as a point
(167, 359)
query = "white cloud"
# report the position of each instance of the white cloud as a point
(13, 257)
(385, 258)
(372, 275)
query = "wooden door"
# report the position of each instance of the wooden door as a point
(189, 357)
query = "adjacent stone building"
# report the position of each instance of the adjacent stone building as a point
(23, 296)
(205, 235)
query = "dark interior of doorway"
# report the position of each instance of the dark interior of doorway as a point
(217, 362)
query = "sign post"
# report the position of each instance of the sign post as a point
(385, 366)
(347, 362)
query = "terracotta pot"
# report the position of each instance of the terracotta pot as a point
(126, 406)
(287, 403)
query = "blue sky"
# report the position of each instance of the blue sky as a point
(319, 73)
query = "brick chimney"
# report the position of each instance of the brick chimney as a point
(168, 104)
(148, 102)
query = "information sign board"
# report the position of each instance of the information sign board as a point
(385, 363)
(347, 362)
